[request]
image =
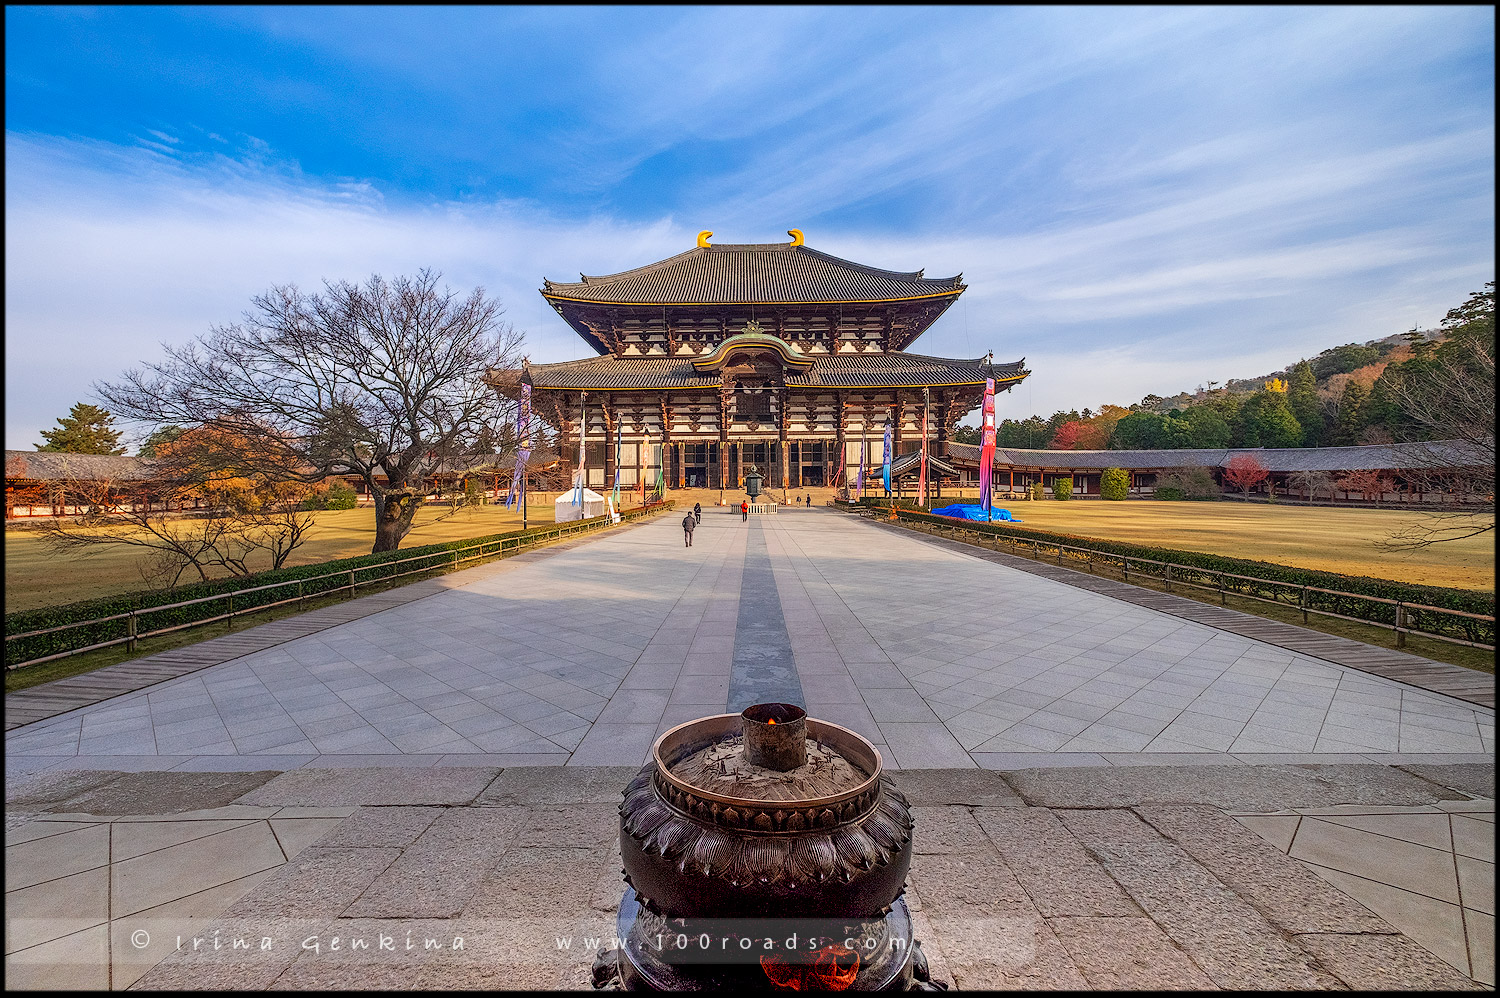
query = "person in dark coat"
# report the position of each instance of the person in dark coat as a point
(688, 523)
(698, 511)
(809, 500)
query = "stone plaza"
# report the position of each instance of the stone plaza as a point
(1107, 795)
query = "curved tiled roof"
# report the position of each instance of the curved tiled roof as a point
(1368, 457)
(884, 370)
(61, 465)
(752, 273)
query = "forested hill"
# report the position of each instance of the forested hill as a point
(1358, 393)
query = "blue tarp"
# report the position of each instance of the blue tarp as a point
(964, 512)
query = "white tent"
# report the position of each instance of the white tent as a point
(564, 509)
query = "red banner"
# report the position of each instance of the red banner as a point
(987, 447)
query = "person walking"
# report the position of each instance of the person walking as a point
(698, 511)
(809, 500)
(688, 523)
(744, 510)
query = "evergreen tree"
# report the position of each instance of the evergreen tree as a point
(86, 429)
(1205, 428)
(163, 435)
(1267, 421)
(1346, 430)
(1303, 398)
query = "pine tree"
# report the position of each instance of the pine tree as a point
(1350, 419)
(1303, 398)
(1267, 421)
(86, 429)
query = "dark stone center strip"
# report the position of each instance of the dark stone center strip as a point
(763, 670)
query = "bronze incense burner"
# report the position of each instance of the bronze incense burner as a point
(764, 850)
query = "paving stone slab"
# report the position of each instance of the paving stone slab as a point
(537, 883)
(543, 786)
(1248, 788)
(438, 874)
(254, 968)
(1016, 953)
(946, 828)
(975, 787)
(1220, 931)
(1129, 953)
(374, 827)
(1060, 878)
(317, 884)
(1285, 892)
(396, 786)
(1384, 963)
(1477, 779)
(162, 793)
(34, 789)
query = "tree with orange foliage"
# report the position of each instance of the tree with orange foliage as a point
(251, 514)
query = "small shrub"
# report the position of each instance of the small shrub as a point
(1038, 491)
(1114, 483)
(1170, 493)
(473, 493)
(1191, 483)
(1062, 488)
(340, 496)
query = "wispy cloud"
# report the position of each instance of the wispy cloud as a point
(1140, 199)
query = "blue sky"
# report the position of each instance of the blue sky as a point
(1140, 199)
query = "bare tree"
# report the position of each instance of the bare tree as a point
(1310, 483)
(1452, 402)
(381, 381)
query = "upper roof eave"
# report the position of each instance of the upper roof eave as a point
(798, 274)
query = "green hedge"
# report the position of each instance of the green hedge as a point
(370, 568)
(1204, 568)
(1062, 488)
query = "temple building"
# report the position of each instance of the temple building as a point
(772, 355)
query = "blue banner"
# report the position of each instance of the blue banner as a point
(887, 459)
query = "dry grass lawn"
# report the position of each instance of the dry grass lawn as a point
(35, 575)
(1336, 540)
(1325, 538)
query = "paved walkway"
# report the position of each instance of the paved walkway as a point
(1256, 877)
(586, 656)
(1216, 811)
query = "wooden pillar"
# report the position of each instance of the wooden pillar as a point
(725, 396)
(781, 431)
(609, 446)
(666, 443)
(677, 473)
(739, 464)
(898, 416)
(840, 459)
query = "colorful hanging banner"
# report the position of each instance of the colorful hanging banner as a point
(887, 458)
(987, 447)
